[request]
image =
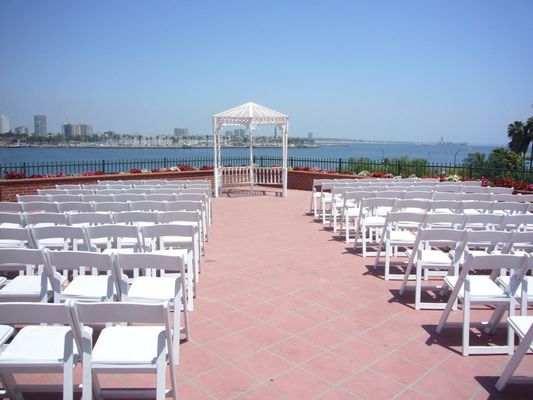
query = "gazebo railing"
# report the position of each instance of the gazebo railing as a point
(261, 175)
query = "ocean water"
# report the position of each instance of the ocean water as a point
(375, 151)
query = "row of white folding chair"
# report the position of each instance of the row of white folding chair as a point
(56, 337)
(400, 230)
(141, 194)
(466, 207)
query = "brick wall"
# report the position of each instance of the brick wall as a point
(9, 188)
(303, 180)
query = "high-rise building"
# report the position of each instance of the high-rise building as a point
(22, 130)
(181, 132)
(39, 125)
(4, 124)
(240, 133)
(86, 130)
(310, 135)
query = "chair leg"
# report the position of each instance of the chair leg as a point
(515, 360)
(449, 305)
(388, 253)
(68, 381)
(176, 333)
(11, 387)
(160, 381)
(418, 285)
(466, 323)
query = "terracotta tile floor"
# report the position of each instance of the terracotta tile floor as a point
(287, 311)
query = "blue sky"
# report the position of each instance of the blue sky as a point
(406, 70)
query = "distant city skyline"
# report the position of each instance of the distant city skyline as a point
(391, 70)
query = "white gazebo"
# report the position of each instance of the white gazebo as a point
(250, 115)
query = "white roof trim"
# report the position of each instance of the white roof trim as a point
(249, 115)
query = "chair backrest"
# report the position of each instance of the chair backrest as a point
(45, 218)
(391, 194)
(10, 206)
(75, 206)
(48, 192)
(101, 190)
(445, 220)
(140, 190)
(471, 183)
(90, 218)
(170, 191)
(115, 235)
(21, 235)
(124, 197)
(160, 197)
(120, 186)
(370, 205)
(191, 197)
(80, 192)
(453, 238)
(159, 231)
(485, 197)
(521, 222)
(182, 205)
(21, 259)
(25, 198)
(97, 198)
(166, 217)
(148, 205)
(11, 219)
(35, 313)
(111, 206)
(510, 208)
(418, 194)
(135, 217)
(491, 240)
(398, 218)
(445, 206)
(477, 206)
(65, 197)
(500, 190)
(66, 186)
(74, 260)
(92, 186)
(409, 204)
(483, 221)
(69, 235)
(520, 241)
(454, 196)
(147, 261)
(39, 206)
(447, 187)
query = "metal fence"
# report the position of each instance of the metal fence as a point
(394, 167)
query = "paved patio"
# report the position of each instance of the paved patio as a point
(286, 311)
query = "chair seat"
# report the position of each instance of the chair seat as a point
(521, 325)
(505, 280)
(89, 287)
(37, 345)
(480, 286)
(374, 221)
(21, 286)
(128, 345)
(401, 237)
(152, 288)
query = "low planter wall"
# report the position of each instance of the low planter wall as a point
(303, 180)
(9, 188)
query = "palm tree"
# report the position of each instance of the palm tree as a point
(519, 137)
(528, 130)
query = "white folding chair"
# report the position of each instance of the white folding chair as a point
(428, 256)
(97, 198)
(472, 207)
(100, 285)
(522, 326)
(41, 349)
(372, 215)
(509, 208)
(135, 217)
(399, 230)
(144, 345)
(31, 284)
(182, 205)
(170, 239)
(472, 289)
(81, 192)
(160, 197)
(439, 220)
(48, 192)
(351, 211)
(25, 198)
(170, 286)
(192, 218)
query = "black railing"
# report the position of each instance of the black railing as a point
(394, 167)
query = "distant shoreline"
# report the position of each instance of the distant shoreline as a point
(64, 146)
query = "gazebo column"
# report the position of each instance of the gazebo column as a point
(216, 162)
(285, 154)
(251, 144)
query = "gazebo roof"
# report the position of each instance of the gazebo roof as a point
(249, 115)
